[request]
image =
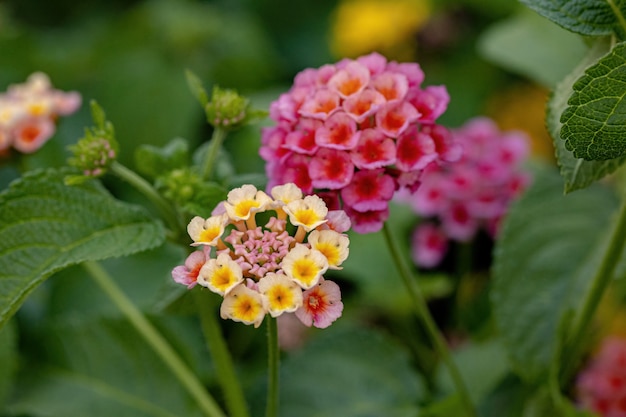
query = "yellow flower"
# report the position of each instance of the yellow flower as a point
(333, 245)
(220, 275)
(206, 232)
(385, 26)
(245, 305)
(309, 212)
(305, 265)
(282, 293)
(242, 202)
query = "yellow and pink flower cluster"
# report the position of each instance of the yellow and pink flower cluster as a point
(28, 113)
(272, 269)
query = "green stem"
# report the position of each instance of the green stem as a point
(273, 362)
(225, 370)
(144, 187)
(156, 341)
(217, 139)
(423, 314)
(600, 282)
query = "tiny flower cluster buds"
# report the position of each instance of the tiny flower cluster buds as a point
(601, 386)
(28, 113)
(273, 269)
(470, 193)
(94, 153)
(355, 132)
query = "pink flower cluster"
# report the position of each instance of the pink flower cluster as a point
(601, 386)
(28, 113)
(355, 132)
(471, 193)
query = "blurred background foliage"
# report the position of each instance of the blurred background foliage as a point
(495, 57)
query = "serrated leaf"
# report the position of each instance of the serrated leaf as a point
(547, 253)
(375, 381)
(532, 46)
(577, 172)
(106, 370)
(585, 17)
(153, 161)
(46, 226)
(593, 123)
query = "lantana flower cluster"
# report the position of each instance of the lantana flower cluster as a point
(28, 113)
(356, 131)
(272, 269)
(601, 386)
(458, 199)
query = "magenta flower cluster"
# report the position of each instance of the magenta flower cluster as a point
(354, 133)
(472, 193)
(601, 386)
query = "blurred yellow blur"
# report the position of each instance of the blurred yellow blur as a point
(389, 27)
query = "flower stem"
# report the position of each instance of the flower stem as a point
(600, 282)
(233, 394)
(273, 362)
(156, 341)
(423, 314)
(144, 187)
(217, 139)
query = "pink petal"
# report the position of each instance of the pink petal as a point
(458, 223)
(374, 62)
(431, 102)
(331, 169)
(321, 105)
(368, 221)
(374, 150)
(429, 245)
(394, 118)
(321, 305)
(412, 71)
(338, 132)
(415, 150)
(32, 133)
(370, 190)
(363, 105)
(392, 86)
(351, 79)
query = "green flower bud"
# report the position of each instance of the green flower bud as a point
(227, 109)
(189, 191)
(94, 153)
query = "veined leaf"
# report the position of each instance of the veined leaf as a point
(46, 226)
(593, 124)
(548, 251)
(586, 17)
(101, 368)
(577, 172)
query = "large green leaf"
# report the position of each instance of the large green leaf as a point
(8, 361)
(593, 123)
(349, 372)
(586, 17)
(46, 226)
(547, 254)
(101, 368)
(532, 46)
(577, 172)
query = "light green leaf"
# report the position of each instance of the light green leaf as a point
(577, 172)
(593, 124)
(196, 87)
(585, 17)
(46, 226)
(101, 368)
(532, 46)
(548, 250)
(153, 161)
(334, 375)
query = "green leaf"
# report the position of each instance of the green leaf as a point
(532, 46)
(153, 161)
(334, 375)
(106, 370)
(8, 361)
(196, 87)
(585, 17)
(46, 226)
(577, 172)
(548, 250)
(593, 123)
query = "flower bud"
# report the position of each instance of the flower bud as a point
(227, 109)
